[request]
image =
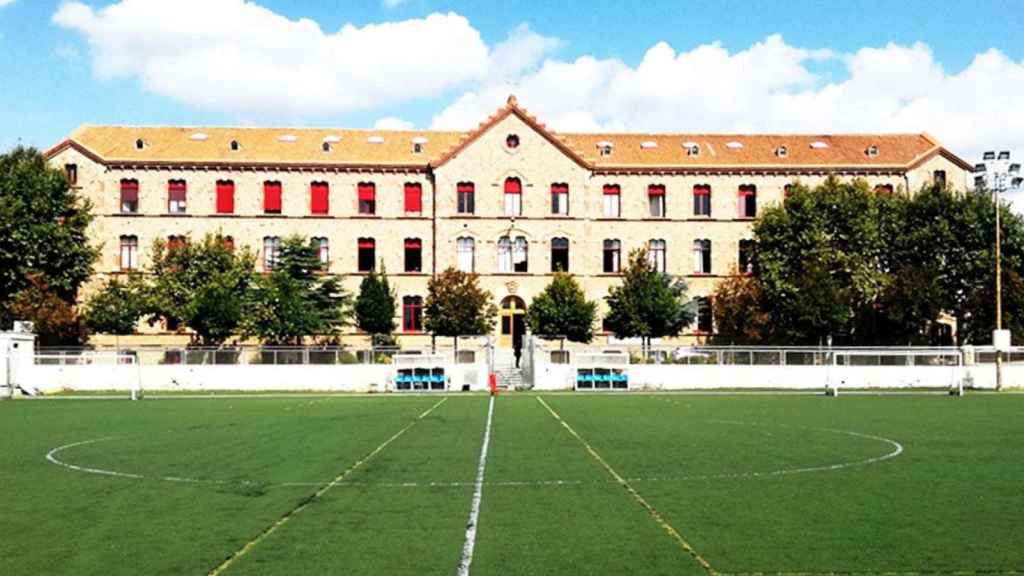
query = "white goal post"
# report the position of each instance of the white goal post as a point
(906, 370)
(114, 372)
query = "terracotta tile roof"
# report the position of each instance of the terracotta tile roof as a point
(384, 148)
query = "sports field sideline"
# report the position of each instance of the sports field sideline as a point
(557, 484)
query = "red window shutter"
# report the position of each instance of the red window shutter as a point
(176, 190)
(271, 196)
(319, 201)
(513, 186)
(655, 190)
(129, 191)
(225, 197)
(413, 197)
(413, 243)
(559, 188)
(611, 189)
(367, 191)
(366, 243)
(465, 187)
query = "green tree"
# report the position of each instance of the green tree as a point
(117, 306)
(55, 320)
(202, 285)
(562, 310)
(739, 313)
(42, 230)
(456, 305)
(648, 304)
(296, 299)
(376, 304)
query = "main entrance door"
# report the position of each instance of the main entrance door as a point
(513, 323)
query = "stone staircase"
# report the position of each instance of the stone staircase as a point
(509, 377)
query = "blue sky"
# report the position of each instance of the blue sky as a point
(790, 66)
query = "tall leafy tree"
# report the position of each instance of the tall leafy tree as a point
(456, 305)
(117, 306)
(376, 305)
(296, 299)
(739, 313)
(42, 230)
(562, 310)
(648, 304)
(202, 285)
(56, 321)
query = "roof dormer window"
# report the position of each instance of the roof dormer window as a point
(605, 147)
(140, 144)
(235, 146)
(692, 148)
(199, 137)
(819, 145)
(288, 138)
(734, 145)
(872, 151)
(782, 151)
(326, 146)
(648, 144)
(417, 144)
(375, 139)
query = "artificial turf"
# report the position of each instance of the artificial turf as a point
(765, 483)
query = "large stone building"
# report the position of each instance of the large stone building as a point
(510, 200)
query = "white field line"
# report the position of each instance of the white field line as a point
(897, 450)
(224, 565)
(655, 515)
(478, 492)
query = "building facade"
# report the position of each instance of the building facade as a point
(511, 200)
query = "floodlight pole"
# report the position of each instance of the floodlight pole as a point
(999, 290)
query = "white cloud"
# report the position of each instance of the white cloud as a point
(769, 87)
(4, 3)
(393, 123)
(236, 55)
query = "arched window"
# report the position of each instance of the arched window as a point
(656, 200)
(272, 193)
(466, 248)
(413, 198)
(319, 198)
(176, 194)
(702, 200)
(271, 252)
(746, 257)
(704, 314)
(512, 254)
(612, 204)
(559, 254)
(656, 254)
(748, 201)
(323, 249)
(513, 197)
(129, 196)
(466, 197)
(612, 256)
(367, 254)
(129, 259)
(560, 199)
(225, 197)
(367, 192)
(413, 255)
(702, 256)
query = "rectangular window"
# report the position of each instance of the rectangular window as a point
(225, 197)
(272, 192)
(367, 254)
(939, 178)
(611, 201)
(466, 248)
(559, 254)
(367, 192)
(513, 197)
(612, 256)
(884, 189)
(271, 252)
(412, 314)
(413, 198)
(788, 190)
(228, 242)
(129, 196)
(176, 193)
(746, 257)
(520, 254)
(702, 256)
(319, 198)
(560, 199)
(748, 201)
(323, 250)
(413, 255)
(704, 316)
(656, 254)
(175, 242)
(702, 200)
(466, 198)
(656, 200)
(71, 171)
(129, 252)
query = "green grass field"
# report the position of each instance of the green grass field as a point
(573, 484)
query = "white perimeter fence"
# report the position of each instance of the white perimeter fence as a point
(546, 365)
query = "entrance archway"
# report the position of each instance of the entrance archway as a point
(513, 323)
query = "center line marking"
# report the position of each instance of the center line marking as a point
(632, 492)
(316, 495)
(478, 492)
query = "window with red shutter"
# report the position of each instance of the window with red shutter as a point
(225, 197)
(272, 197)
(702, 200)
(319, 198)
(413, 198)
(367, 254)
(176, 193)
(367, 198)
(129, 196)
(413, 255)
(466, 197)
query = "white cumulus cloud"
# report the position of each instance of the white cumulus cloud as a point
(6, 3)
(237, 55)
(769, 87)
(393, 123)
